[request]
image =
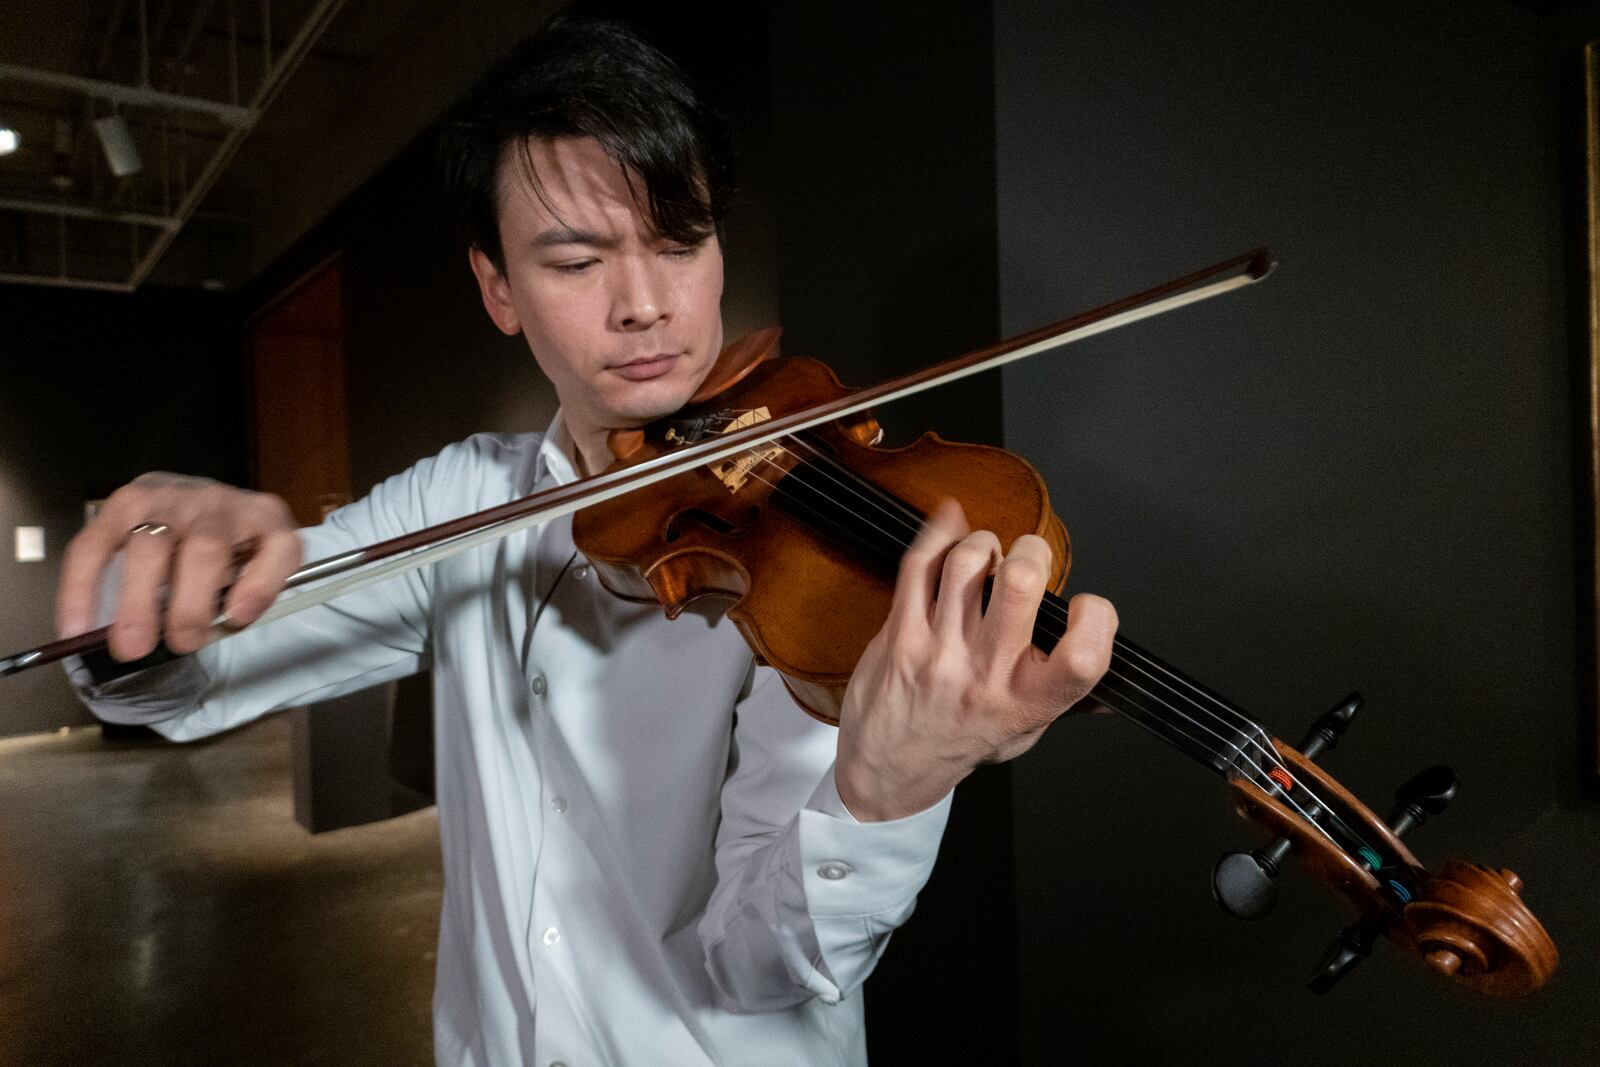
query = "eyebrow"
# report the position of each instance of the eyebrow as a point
(566, 235)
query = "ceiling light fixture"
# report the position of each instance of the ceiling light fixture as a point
(10, 140)
(117, 142)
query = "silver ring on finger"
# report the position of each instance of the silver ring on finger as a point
(154, 529)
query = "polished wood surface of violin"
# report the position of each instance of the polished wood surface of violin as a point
(799, 539)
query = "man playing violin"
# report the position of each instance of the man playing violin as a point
(651, 854)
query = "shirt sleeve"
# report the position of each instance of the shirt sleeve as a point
(806, 896)
(361, 639)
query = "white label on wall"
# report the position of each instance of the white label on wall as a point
(30, 544)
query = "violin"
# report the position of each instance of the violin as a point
(780, 534)
(769, 496)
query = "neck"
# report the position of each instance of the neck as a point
(591, 452)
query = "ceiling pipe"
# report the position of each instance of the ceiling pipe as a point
(87, 211)
(315, 25)
(61, 281)
(108, 37)
(227, 114)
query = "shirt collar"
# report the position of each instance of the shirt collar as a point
(557, 453)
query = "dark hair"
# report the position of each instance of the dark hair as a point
(587, 77)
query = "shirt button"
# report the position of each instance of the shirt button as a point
(558, 804)
(551, 935)
(580, 573)
(833, 870)
(538, 685)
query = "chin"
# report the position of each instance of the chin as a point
(641, 406)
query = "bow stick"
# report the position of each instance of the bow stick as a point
(323, 580)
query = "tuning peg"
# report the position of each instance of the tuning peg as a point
(1246, 883)
(1327, 730)
(1428, 792)
(1352, 946)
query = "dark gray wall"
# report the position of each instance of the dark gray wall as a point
(1355, 475)
(96, 388)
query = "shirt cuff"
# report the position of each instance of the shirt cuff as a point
(852, 868)
(145, 698)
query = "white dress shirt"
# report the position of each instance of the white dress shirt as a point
(646, 859)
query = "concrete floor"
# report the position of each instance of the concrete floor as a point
(160, 905)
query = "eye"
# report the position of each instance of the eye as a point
(576, 267)
(685, 251)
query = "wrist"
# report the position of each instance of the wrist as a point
(875, 798)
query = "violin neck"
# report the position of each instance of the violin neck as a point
(1198, 722)
(1141, 687)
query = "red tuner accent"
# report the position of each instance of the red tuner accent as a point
(1281, 776)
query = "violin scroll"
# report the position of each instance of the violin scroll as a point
(1471, 924)
(1467, 921)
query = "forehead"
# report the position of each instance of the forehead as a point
(547, 182)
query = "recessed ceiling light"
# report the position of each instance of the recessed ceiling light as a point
(10, 140)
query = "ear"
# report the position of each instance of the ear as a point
(496, 292)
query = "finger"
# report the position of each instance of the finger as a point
(78, 597)
(918, 581)
(258, 585)
(958, 605)
(146, 562)
(202, 568)
(1019, 585)
(1081, 658)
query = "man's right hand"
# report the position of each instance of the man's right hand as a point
(178, 537)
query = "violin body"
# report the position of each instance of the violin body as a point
(730, 534)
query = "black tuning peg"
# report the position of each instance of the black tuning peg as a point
(1427, 793)
(1327, 730)
(1246, 883)
(1348, 949)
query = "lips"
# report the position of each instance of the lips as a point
(645, 368)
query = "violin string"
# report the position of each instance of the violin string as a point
(1260, 777)
(1251, 728)
(911, 521)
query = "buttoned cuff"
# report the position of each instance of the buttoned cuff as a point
(145, 698)
(853, 868)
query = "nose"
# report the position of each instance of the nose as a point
(640, 298)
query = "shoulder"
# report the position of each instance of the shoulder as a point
(478, 472)
(486, 456)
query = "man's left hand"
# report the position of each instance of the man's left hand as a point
(947, 684)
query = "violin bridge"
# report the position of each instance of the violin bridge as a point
(735, 471)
